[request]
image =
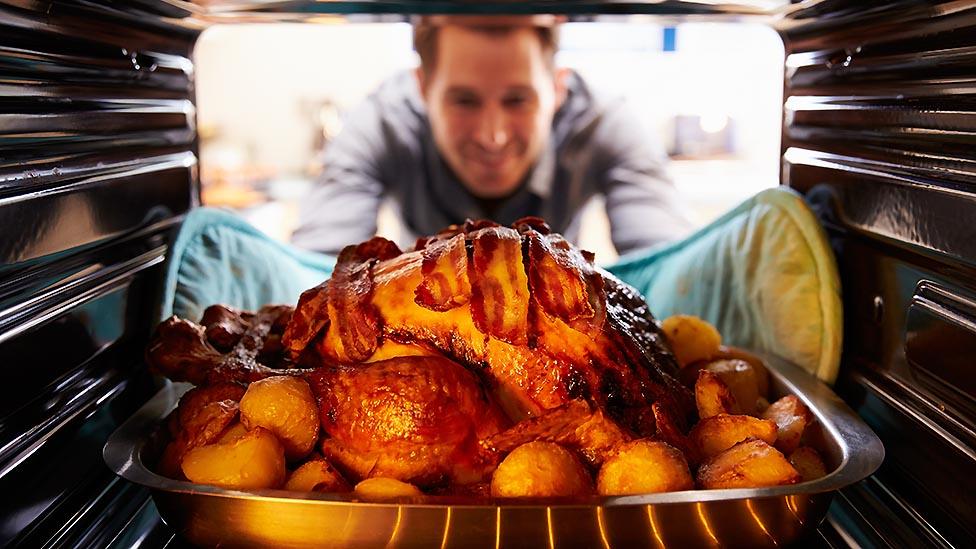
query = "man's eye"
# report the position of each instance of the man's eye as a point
(466, 102)
(516, 101)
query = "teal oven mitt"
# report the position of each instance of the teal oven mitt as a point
(217, 257)
(763, 274)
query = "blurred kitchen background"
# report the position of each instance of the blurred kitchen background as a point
(270, 96)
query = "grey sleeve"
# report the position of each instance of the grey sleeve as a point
(343, 204)
(642, 203)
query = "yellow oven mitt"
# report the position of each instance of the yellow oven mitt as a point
(763, 274)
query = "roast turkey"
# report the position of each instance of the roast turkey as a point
(427, 363)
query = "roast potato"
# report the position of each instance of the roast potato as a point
(749, 464)
(195, 422)
(791, 417)
(712, 396)
(255, 460)
(691, 338)
(727, 352)
(316, 475)
(741, 379)
(807, 462)
(644, 467)
(541, 469)
(232, 433)
(285, 406)
(385, 489)
(716, 434)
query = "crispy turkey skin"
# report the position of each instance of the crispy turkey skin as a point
(519, 306)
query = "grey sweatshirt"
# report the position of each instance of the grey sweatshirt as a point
(386, 149)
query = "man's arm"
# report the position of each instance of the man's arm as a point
(342, 207)
(641, 200)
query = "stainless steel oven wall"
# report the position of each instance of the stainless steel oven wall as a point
(97, 162)
(880, 133)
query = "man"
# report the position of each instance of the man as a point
(488, 127)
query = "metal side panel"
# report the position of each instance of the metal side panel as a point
(879, 133)
(97, 164)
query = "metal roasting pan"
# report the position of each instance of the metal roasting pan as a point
(210, 516)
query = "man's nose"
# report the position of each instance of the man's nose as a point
(493, 133)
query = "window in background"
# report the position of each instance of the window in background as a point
(270, 96)
(710, 92)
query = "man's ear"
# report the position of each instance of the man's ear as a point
(421, 82)
(562, 85)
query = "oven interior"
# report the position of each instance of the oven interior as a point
(98, 162)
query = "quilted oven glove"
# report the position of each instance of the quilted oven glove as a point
(763, 274)
(217, 257)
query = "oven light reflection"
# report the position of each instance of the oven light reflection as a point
(498, 527)
(708, 528)
(791, 505)
(447, 529)
(759, 521)
(552, 540)
(396, 527)
(602, 528)
(654, 529)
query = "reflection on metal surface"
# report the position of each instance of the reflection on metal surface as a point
(447, 527)
(498, 527)
(700, 510)
(21, 447)
(791, 505)
(349, 523)
(886, 204)
(396, 528)
(552, 540)
(905, 507)
(61, 298)
(908, 407)
(654, 527)
(94, 115)
(920, 442)
(940, 341)
(839, 25)
(759, 522)
(602, 528)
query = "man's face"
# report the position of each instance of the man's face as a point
(490, 99)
